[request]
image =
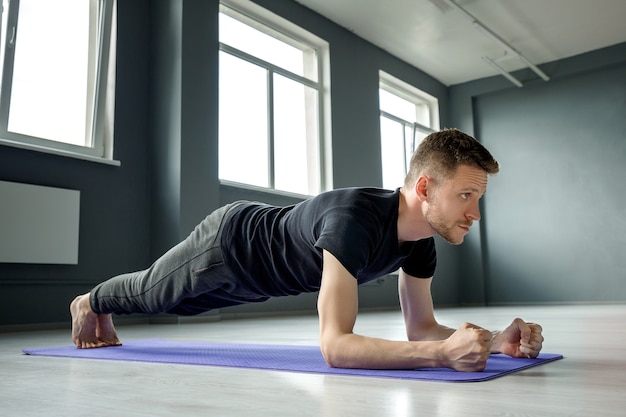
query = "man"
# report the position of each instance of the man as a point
(248, 252)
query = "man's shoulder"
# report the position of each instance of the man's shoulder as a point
(355, 196)
(360, 192)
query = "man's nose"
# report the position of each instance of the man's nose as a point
(474, 212)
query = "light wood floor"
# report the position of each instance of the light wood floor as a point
(590, 381)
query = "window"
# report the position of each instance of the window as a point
(271, 102)
(56, 93)
(407, 115)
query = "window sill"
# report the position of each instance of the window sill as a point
(60, 152)
(263, 190)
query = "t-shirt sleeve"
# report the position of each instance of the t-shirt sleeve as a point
(422, 259)
(347, 240)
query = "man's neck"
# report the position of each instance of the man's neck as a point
(412, 225)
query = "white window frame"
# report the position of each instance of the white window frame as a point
(101, 89)
(276, 26)
(410, 93)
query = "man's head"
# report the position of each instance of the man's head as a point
(441, 153)
(448, 176)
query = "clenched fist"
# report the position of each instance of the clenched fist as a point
(467, 349)
(519, 340)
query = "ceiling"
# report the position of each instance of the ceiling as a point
(443, 41)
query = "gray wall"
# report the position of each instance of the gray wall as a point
(183, 118)
(554, 228)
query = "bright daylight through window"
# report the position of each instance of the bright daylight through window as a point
(57, 78)
(269, 104)
(407, 115)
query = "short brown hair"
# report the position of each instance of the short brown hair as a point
(440, 154)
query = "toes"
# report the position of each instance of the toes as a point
(97, 344)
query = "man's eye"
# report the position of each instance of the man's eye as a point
(465, 196)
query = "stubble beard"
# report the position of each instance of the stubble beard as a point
(442, 227)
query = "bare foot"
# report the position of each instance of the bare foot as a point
(106, 331)
(91, 330)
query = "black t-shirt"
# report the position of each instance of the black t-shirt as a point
(277, 251)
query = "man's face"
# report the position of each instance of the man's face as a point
(453, 206)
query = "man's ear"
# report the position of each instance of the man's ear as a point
(422, 187)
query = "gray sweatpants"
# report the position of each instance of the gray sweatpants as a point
(190, 278)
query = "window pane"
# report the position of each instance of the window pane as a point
(392, 153)
(290, 145)
(256, 43)
(295, 137)
(243, 150)
(50, 71)
(397, 106)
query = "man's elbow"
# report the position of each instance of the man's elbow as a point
(333, 355)
(329, 356)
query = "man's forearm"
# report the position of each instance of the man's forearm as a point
(355, 351)
(435, 332)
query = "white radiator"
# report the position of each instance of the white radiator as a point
(38, 225)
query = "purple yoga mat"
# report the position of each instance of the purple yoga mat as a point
(276, 357)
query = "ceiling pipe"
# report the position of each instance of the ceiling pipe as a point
(494, 36)
(503, 72)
